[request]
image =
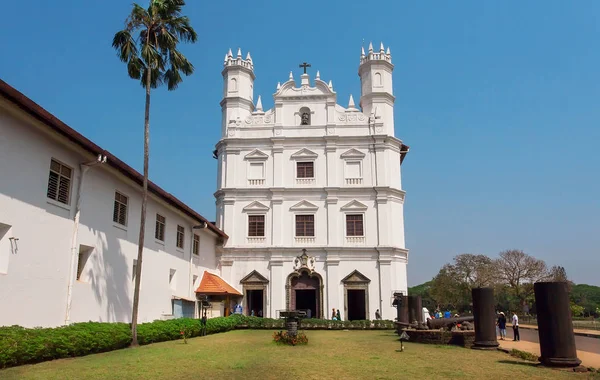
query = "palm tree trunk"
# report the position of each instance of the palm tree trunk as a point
(138, 269)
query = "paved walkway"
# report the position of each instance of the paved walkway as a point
(588, 359)
(580, 332)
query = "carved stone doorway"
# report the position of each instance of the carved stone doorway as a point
(304, 291)
(356, 296)
(255, 294)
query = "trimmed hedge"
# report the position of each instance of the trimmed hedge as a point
(19, 345)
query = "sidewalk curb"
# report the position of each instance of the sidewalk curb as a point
(587, 335)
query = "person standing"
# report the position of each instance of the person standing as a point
(502, 325)
(203, 323)
(515, 324)
(339, 317)
(377, 314)
(333, 314)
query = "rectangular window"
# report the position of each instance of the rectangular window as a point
(172, 279)
(256, 225)
(82, 259)
(120, 209)
(305, 170)
(256, 170)
(354, 225)
(305, 225)
(159, 231)
(180, 236)
(59, 182)
(353, 169)
(196, 245)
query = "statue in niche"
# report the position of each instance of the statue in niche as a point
(305, 119)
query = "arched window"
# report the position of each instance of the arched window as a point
(304, 116)
(233, 84)
(377, 80)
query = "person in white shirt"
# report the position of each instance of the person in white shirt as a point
(515, 324)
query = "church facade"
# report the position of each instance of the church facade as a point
(310, 193)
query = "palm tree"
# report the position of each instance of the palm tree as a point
(148, 45)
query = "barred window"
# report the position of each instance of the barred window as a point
(120, 209)
(354, 225)
(159, 231)
(59, 182)
(305, 170)
(196, 245)
(256, 225)
(180, 236)
(305, 225)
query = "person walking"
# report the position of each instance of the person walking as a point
(339, 317)
(502, 325)
(333, 314)
(515, 324)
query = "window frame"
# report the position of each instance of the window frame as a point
(296, 216)
(178, 240)
(196, 244)
(156, 229)
(362, 217)
(117, 212)
(312, 165)
(58, 181)
(264, 225)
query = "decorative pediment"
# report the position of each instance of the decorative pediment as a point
(304, 206)
(356, 278)
(255, 206)
(253, 278)
(289, 90)
(256, 155)
(352, 154)
(354, 206)
(303, 154)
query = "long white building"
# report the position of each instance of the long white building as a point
(310, 193)
(69, 225)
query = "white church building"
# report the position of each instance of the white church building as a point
(310, 193)
(309, 211)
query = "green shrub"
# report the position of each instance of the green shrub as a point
(524, 355)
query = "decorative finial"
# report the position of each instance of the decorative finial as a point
(248, 58)
(351, 104)
(225, 60)
(239, 54)
(229, 53)
(388, 52)
(291, 75)
(370, 47)
(330, 85)
(381, 49)
(258, 107)
(318, 76)
(278, 85)
(362, 51)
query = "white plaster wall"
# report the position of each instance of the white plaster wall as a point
(34, 288)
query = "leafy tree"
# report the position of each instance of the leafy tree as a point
(587, 296)
(148, 45)
(559, 274)
(424, 290)
(520, 271)
(576, 310)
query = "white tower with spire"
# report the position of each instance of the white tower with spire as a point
(238, 88)
(377, 95)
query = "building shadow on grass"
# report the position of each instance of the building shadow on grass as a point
(516, 362)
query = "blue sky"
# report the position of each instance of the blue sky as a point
(499, 101)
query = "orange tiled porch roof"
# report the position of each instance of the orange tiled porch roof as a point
(212, 284)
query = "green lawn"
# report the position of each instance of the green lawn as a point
(250, 354)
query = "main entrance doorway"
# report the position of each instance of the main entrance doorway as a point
(305, 292)
(255, 299)
(356, 305)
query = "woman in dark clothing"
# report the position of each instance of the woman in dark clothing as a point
(502, 325)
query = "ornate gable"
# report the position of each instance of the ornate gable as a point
(256, 155)
(304, 154)
(253, 278)
(256, 206)
(356, 278)
(354, 206)
(352, 154)
(304, 206)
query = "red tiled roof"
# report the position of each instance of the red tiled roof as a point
(212, 284)
(54, 123)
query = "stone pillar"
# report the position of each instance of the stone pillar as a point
(555, 329)
(277, 287)
(484, 318)
(333, 286)
(415, 309)
(403, 311)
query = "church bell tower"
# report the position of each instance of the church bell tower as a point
(377, 95)
(238, 89)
